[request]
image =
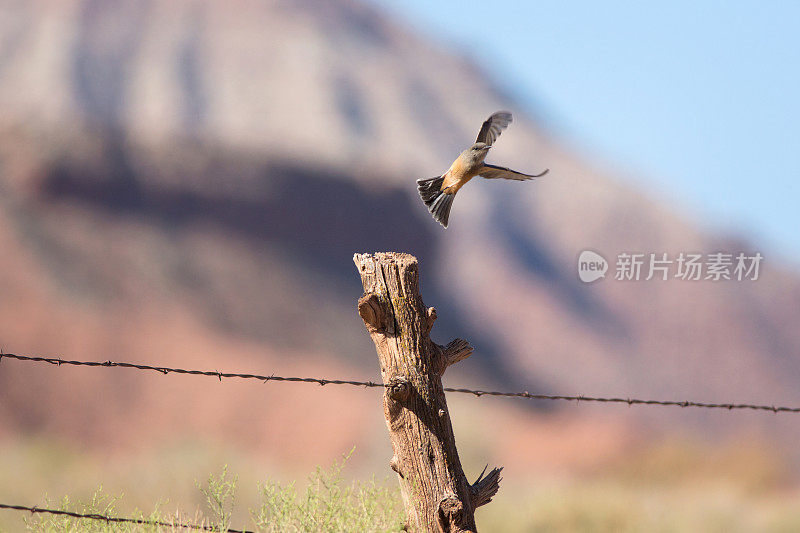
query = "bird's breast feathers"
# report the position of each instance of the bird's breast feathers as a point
(456, 176)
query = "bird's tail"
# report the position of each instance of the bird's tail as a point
(438, 202)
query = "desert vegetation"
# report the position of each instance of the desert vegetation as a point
(675, 486)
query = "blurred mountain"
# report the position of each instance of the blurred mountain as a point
(185, 182)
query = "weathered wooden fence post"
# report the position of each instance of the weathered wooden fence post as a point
(435, 491)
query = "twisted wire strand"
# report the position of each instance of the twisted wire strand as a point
(371, 384)
(118, 519)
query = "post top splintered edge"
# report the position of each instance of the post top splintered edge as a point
(389, 257)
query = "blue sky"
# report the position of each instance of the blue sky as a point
(699, 101)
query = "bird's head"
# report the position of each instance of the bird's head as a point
(480, 148)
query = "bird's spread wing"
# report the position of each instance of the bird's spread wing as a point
(493, 126)
(491, 172)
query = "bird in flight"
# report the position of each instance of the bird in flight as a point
(438, 192)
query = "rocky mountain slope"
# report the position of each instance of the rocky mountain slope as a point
(184, 182)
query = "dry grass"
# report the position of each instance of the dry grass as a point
(328, 503)
(673, 487)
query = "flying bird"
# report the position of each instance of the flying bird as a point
(438, 192)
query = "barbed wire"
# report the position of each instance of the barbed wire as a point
(118, 519)
(167, 370)
(630, 401)
(370, 384)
